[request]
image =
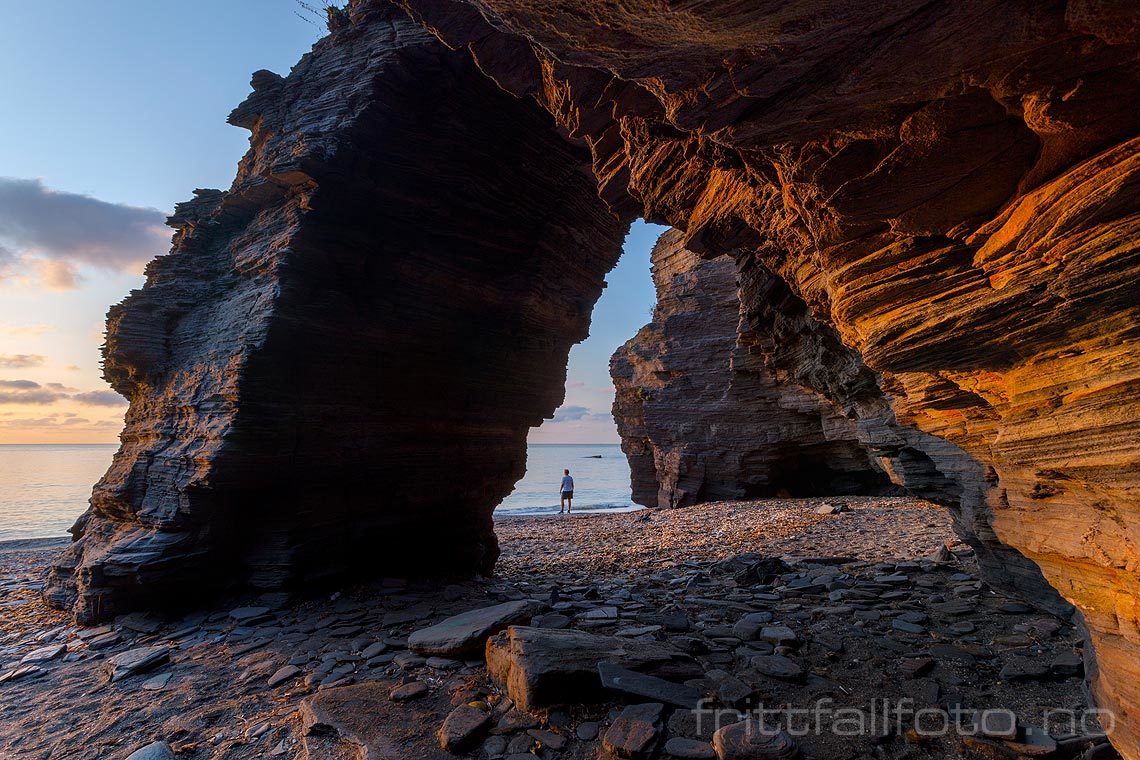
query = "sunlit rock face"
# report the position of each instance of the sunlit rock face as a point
(336, 367)
(951, 188)
(703, 419)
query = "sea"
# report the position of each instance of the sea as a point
(600, 472)
(44, 487)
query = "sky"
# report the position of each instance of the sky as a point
(110, 113)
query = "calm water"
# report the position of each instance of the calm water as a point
(44, 488)
(601, 479)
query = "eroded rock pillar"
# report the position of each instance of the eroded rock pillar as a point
(336, 367)
(703, 419)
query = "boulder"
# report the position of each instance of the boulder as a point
(361, 721)
(748, 740)
(636, 733)
(153, 751)
(463, 728)
(540, 667)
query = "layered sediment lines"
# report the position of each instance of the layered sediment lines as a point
(933, 209)
(336, 367)
(951, 189)
(701, 417)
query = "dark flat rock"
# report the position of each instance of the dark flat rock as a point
(650, 687)
(137, 660)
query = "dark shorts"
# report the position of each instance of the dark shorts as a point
(567, 494)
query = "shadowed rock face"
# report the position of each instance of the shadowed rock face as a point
(937, 205)
(336, 367)
(701, 417)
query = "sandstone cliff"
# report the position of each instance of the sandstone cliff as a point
(700, 416)
(937, 203)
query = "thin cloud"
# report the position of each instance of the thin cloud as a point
(18, 385)
(36, 397)
(31, 392)
(21, 361)
(58, 275)
(100, 398)
(52, 233)
(570, 414)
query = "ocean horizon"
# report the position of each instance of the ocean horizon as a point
(44, 487)
(600, 472)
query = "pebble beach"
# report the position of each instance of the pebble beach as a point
(782, 601)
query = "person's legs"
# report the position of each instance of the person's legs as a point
(569, 504)
(562, 503)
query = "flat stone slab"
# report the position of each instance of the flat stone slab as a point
(464, 635)
(247, 614)
(650, 687)
(1024, 669)
(43, 654)
(1034, 742)
(780, 634)
(283, 674)
(137, 660)
(777, 666)
(748, 627)
(407, 691)
(691, 749)
(158, 682)
(996, 724)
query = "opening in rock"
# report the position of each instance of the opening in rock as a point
(582, 435)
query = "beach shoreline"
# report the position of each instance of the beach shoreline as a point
(12, 545)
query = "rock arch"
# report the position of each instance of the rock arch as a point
(935, 205)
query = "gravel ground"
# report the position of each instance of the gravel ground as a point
(869, 619)
(871, 528)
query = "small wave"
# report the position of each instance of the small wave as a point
(540, 511)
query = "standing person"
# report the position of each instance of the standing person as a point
(567, 492)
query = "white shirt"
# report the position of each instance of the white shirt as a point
(567, 483)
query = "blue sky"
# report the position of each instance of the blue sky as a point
(624, 307)
(112, 113)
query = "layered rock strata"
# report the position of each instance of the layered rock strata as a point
(950, 189)
(700, 416)
(336, 367)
